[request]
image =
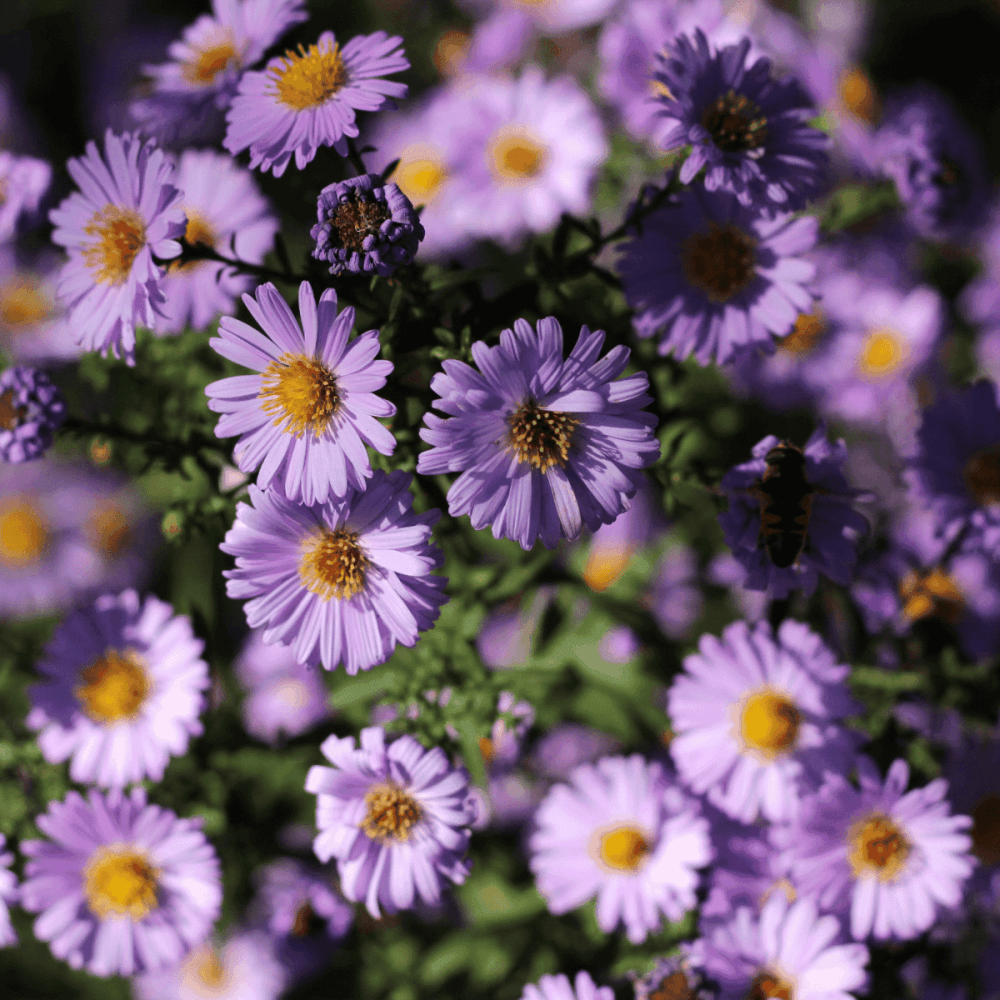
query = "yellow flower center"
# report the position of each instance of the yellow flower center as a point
(113, 687)
(22, 304)
(449, 51)
(769, 985)
(204, 973)
(515, 156)
(982, 477)
(199, 232)
(353, 221)
(208, 63)
(719, 262)
(333, 564)
(985, 830)
(108, 528)
(605, 564)
(623, 848)
(735, 123)
(933, 593)
(120, 883)
(302, 392)
(24, 535)
(769, 722)
(120, 234)
(391, 813)
(291, 692)
(809, 327)
(310, 77)
(11, 415)
(419, 177)
(876, 846)
(539, 436)
(673, 987)
(487, 749)
(882, 353)
(859, 96)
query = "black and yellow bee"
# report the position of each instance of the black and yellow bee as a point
(786, 498)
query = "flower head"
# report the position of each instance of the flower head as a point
(711, 277)
(23, 182)
(31, 410)
(307, 99)
(305, 419)
(342, 581)
(365, 224)
(122, 691)
(126, 212)
(545, 444)
(198, 83)
(395, 816)
(121, 886)
(224, 210)
(32, 325)
(749, 131)
(622, 831)
(789, 516)
(786, 951)
(891, 858)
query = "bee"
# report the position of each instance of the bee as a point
(786, 499)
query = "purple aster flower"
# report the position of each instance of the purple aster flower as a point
(711, 277)
(307, 99)
(68, 532)
(9, 893)
(126, 213)
(225, 211)
(395, 816)
(305, 420)
(31, 410)
(365, 225)
(121, 886)
(622, 831)
(502, 748)
(545, 444)
(505, 636)
(122, 690)
(32, 325)
(889, 857)
(246, 967)
(520, 172)
(756, 719)
(957, 465)
(788, 950)
(342, 581)
(936, 161)
(284, 697)
(789, 516)
(676, 599)
(23, 181)
(748, 130)
(191, 91)
(560, 988)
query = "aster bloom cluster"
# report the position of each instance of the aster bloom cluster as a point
(630, 704)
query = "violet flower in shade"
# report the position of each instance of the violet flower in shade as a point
(284, 698)
(756, 719)
(567, 745)
(395, 816)
(623, 831)
(9, 893)
(710, 277)
(365, 224)
(675, 599)
(126, 213)
(748, 131)
(506, 634)
(31, 410)
(545, 444)
(122, 690)
(936, 161)
(226, 212)
(533, 150)
(32, 325)
(305, 419)
(788, 950)
(979, 300)
(957, 465)
(120, 886)
(307, 99)
(827, 545)
(68, 532)
(23, 182)
(889, 858)
(339, 582)
(245, 967)
(190, 92)
(560, 988)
